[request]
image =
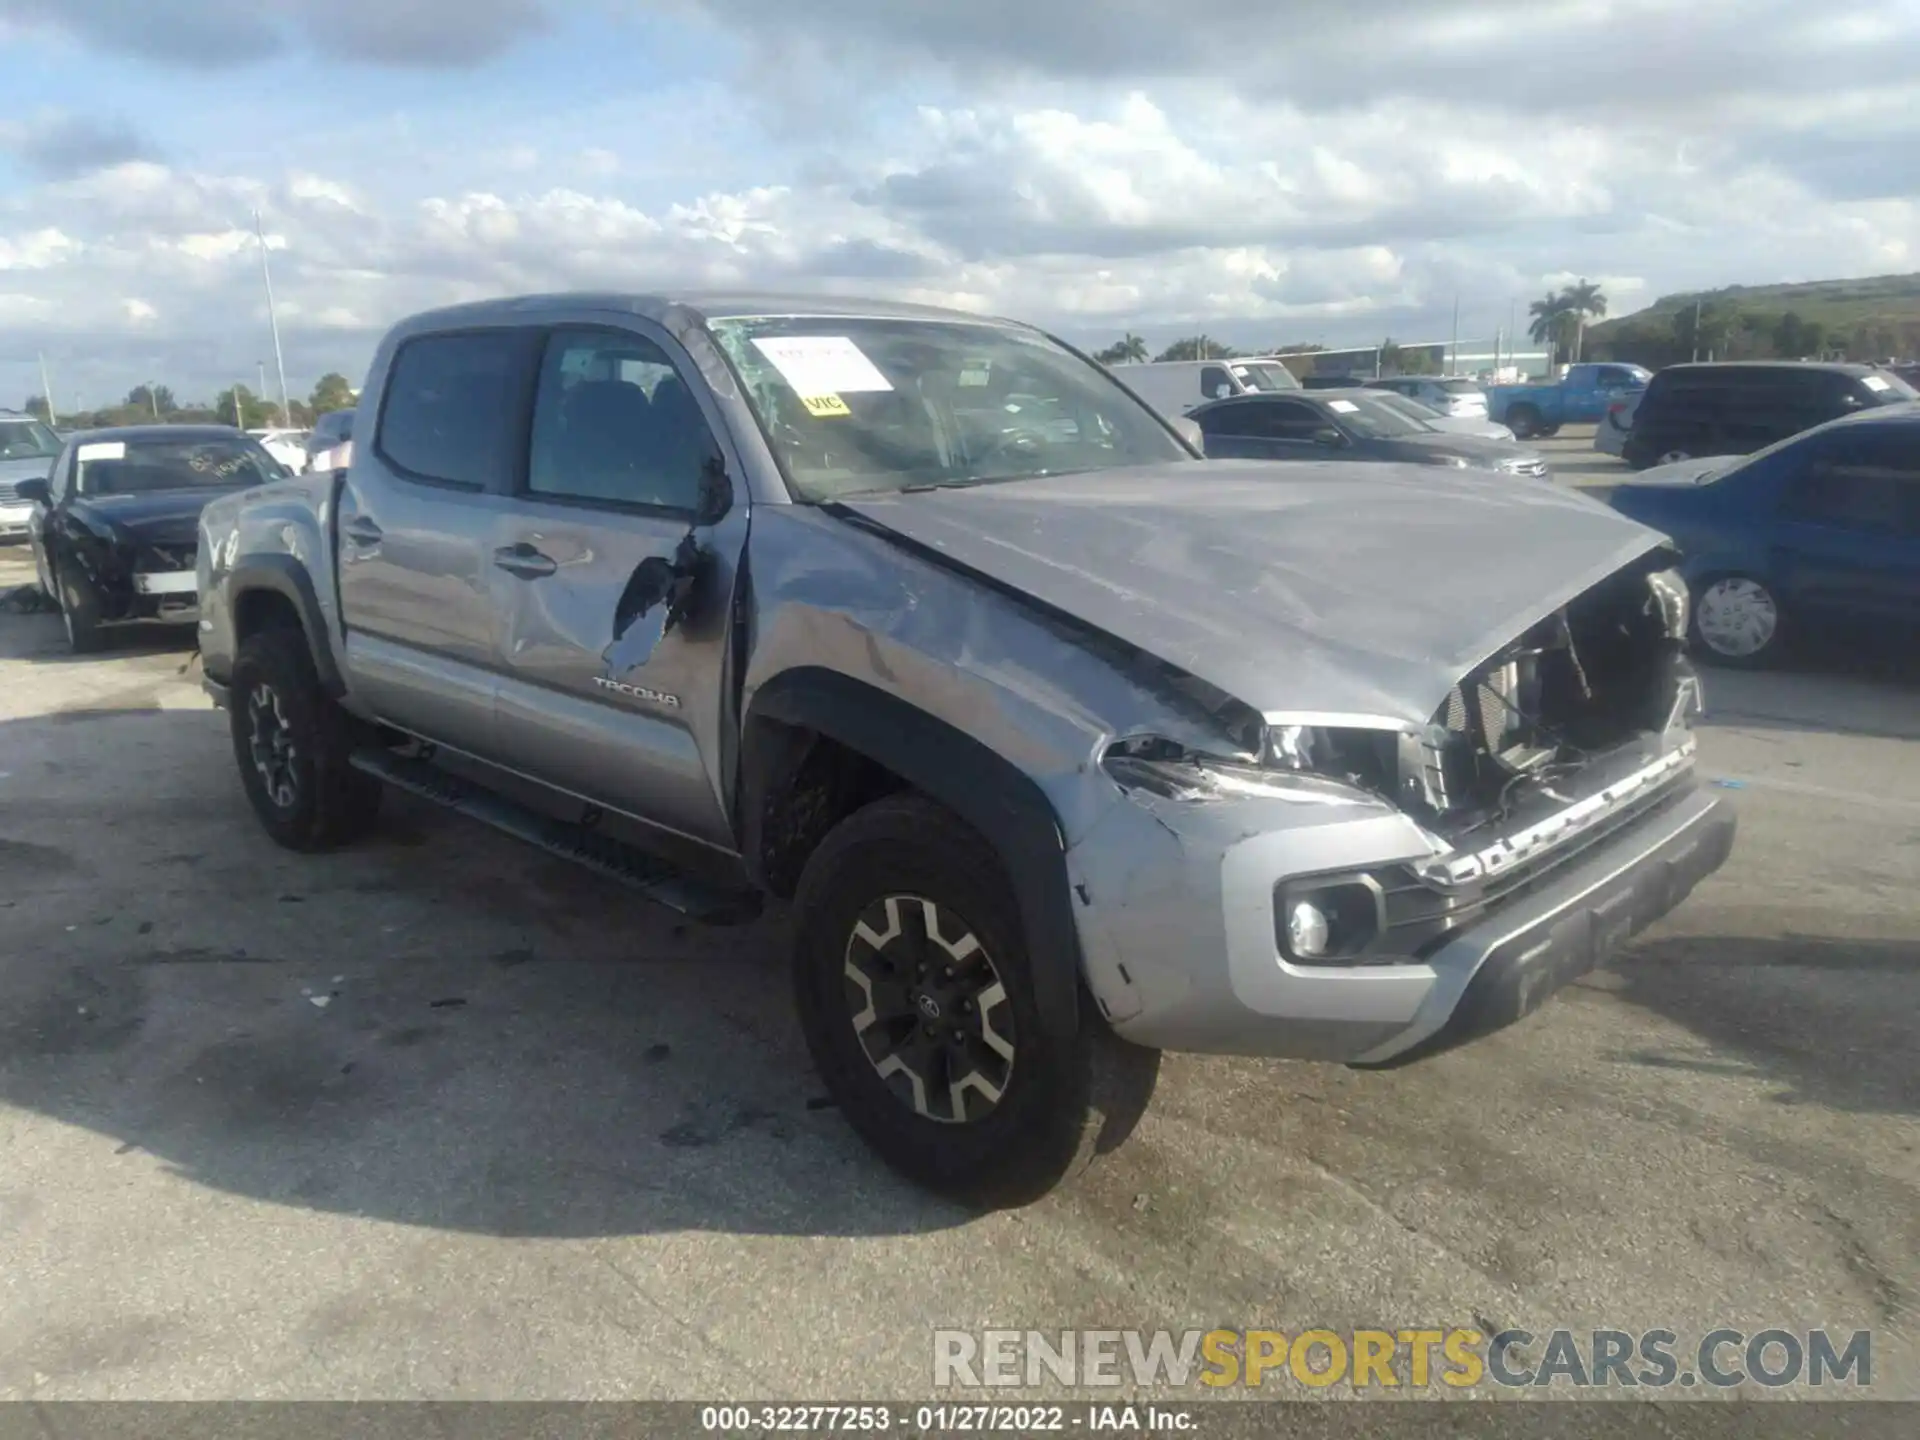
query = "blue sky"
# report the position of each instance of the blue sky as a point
(1264, 176)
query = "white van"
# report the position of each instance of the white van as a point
(1173, 387)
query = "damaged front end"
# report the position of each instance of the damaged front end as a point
(1561, 737)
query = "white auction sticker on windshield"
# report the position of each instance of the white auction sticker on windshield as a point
(1874, 382)
(822, 364)
(104, 450)
(1345, 407)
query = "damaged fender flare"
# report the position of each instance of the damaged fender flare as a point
(978, 785)
(286, 577)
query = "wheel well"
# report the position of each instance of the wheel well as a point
(261, 609)
(806, 783)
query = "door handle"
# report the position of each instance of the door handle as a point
(525, 561)
(362, 531)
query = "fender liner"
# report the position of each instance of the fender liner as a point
(978, 785)
(287, 577)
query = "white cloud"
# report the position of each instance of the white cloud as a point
(139, 312)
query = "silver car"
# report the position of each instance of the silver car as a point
(1479, 427)
(1062, 745)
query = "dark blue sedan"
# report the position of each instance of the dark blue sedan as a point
(1817, 534)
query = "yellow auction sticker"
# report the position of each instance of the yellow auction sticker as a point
(821, 406)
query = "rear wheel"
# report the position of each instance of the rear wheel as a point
(292, 743)
(915, 992)
(1524, 421)
(1672, 457)
(1737, 621)
(80, 612)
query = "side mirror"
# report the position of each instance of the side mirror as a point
(1330, 437)
(34, 490)
(1190, 431)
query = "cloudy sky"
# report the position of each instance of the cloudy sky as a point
(1269, 170)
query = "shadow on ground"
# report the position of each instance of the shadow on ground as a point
(439, 1027)
(1772, 1008)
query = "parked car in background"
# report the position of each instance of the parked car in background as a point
(1580, 397)
(1484, 428)
(1349, 425)
(1065, 747)
(1174, 387)
(1453, 396)
(1610, 435)
(289, 447)
(1816, 536)
(115, 523)
(1739, 407)
(27, 451)
(330, 431)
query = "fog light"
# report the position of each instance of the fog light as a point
(1307, 930)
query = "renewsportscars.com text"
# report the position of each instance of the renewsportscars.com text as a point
(1455, 1358)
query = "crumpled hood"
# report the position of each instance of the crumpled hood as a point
(153, 517)
(1328, 588)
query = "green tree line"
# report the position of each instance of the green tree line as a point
(156, 404)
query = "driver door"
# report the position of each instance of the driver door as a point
(607, 687)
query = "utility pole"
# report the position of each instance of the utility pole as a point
(239, 420)
(46, 389)
(1453, 347)
(153, 398)
(263, 388)
(273, 322)
(1696, 329)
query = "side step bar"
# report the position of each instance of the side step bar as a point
(630, 866)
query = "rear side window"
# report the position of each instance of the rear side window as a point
(448, 414)
(1215, 382)
(1861, 480)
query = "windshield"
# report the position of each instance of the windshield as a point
(135, 467)
(1888, 388)
(1265, 377)
(1459, 387)
(1406, 405)
(27, 440)
(1376, 417)
(860, 405)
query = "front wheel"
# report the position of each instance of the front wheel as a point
(916, 995)
(292, 742)
(1524, 421)
(1738, 622)
(80, 613)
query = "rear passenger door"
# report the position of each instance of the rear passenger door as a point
(1849, 531)
(599, 694)
(415, 532)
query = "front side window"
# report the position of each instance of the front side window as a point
(136, 467)
(1856, 480)
(857, 405)
(448, 410)
(27, 440)
(613, 421)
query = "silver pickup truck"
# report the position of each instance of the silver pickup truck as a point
(1065, 745)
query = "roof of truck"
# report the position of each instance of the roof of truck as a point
(665, 308)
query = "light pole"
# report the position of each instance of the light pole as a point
(46, 390)
(273, 322)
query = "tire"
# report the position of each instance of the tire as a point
(1060, 1100)
(1672, 457)
(80, 613)
(1547, 432)
(1523, 420)
(299, 781)
(1737, 622)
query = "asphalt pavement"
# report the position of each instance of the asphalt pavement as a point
(438, 1116)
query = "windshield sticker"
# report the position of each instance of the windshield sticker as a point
(974, 377)
(822, 406)
(1345, 407)
(1874, 382)
(103, 450)
(822, 364)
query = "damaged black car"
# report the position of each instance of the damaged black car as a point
(115, 523)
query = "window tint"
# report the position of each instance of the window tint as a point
(1861, 480)
(1612, 378)
(1263, 420)
(1215, 382)
(449, 405)
(614, 421)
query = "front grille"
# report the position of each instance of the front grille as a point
(7, 493)
(1533, 469)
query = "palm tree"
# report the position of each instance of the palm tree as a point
(1552, 317)
(1132, 347)
(1582, 301)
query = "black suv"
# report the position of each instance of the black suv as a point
(1737, 408)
